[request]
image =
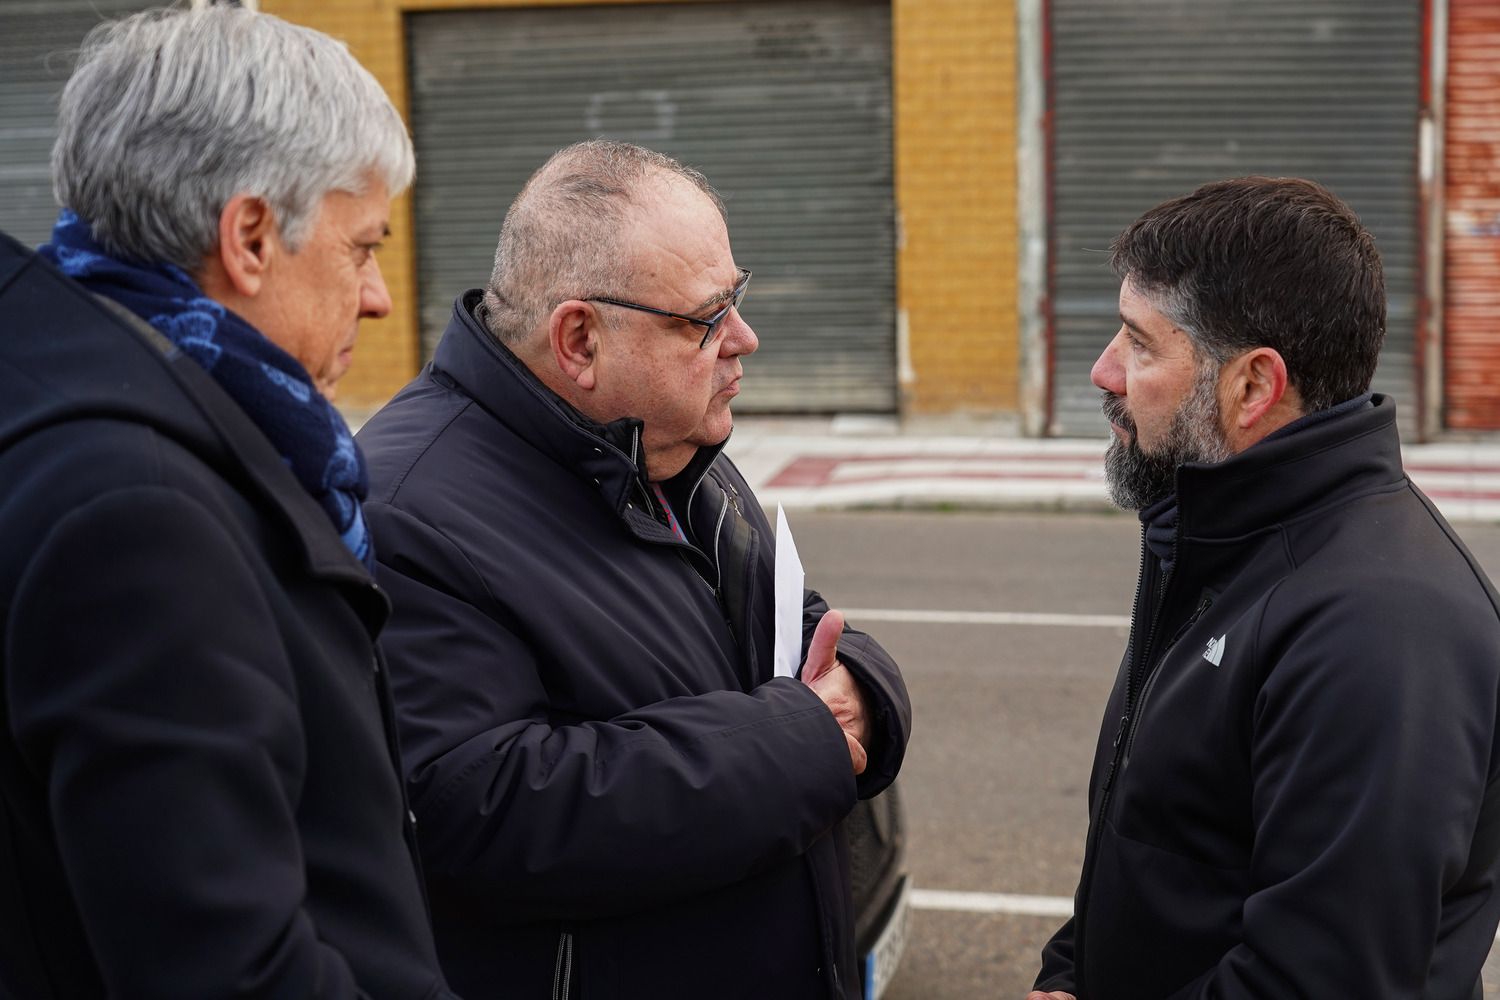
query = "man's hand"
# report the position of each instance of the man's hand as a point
(1050, 996)
(832, 682)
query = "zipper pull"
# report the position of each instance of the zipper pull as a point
(734, 498)
(1120, 732)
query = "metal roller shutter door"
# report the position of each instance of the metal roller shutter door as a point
(1154, 97)
(38, 44)
(786, 107)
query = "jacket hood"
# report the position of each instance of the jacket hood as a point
(113, 366)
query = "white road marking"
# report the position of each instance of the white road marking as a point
(985, 618)
(991, 902)
(1000, 902)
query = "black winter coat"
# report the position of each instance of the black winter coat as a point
(1296, 791)
(198, 795)
(614, 798)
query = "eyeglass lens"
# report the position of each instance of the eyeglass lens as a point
(717, 319)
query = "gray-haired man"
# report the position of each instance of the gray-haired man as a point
(197, 791)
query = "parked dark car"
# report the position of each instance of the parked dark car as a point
(877, 857)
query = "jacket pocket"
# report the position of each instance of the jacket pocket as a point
(562, 974)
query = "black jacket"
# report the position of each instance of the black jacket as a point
(198, 795)
(611, 791)
(1297, 785)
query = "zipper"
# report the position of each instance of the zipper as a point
(730, 498)
(694, 491)
(718, 534)
(1130, 672)
(562, 971)
(1140, 708)
(1135, 719)
(1123, 734)
(687, 508)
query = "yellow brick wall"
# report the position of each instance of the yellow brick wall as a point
(388, 349)
(955, 121)
(954, 81)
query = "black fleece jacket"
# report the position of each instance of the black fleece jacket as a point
(1295, 790)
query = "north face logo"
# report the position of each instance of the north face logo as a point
(1214, 651)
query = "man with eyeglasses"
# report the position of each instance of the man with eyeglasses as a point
(614, 796)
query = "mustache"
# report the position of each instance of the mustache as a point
(1115, 412)
(720, 384)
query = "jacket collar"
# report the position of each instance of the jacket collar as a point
(609, 454)
(1328, 462)
(237, 441)
(149, 381)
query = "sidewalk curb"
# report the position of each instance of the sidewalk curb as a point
(811, 464)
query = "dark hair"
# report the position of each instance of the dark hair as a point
(1273, 262)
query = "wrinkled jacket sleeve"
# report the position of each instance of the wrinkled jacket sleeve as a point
(556, 817)
(1057, 962)
(889, 705)
(146, 689)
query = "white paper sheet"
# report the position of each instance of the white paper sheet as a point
(788, 600)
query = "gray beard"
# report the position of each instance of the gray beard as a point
(1136, 478)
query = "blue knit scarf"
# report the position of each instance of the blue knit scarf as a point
(271, 386)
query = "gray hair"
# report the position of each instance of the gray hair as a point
(1176, 303)
(564, 235)
(171, 113)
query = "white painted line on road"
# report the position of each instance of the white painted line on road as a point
(985, 618)
(991, 902)
(1001, 902)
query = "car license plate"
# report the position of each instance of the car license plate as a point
(885, 956)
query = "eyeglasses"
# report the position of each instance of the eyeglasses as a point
(710, 324)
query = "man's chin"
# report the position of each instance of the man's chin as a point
(1133, 479)
(715, 428)
(327, 382)
(728, 430)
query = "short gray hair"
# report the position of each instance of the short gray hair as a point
(563, 236)
(171, 113)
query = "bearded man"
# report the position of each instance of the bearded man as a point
(1296, 791)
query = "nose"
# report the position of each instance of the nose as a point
(1108, 372)
(738, 337)
(374, 297)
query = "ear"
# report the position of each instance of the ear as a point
(1252, 386)
(248, 239)
(573, 334)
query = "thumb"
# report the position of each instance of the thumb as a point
(822, 652)
(857, 754)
